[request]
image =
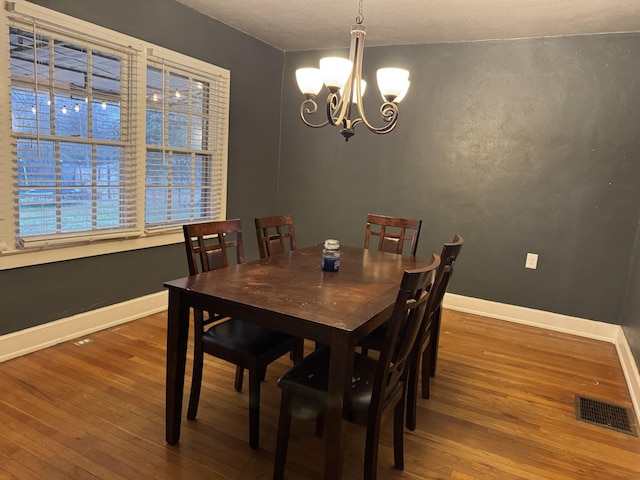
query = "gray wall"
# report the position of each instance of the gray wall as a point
(519, 146)
(34, 295)
(631, 315)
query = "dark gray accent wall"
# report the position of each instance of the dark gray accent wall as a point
(631, 314)
(40, 294)
(520, 146)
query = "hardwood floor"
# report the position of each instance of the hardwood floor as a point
(501, 407)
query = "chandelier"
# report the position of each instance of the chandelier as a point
(343, 79)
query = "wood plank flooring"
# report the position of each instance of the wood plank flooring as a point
(501, 407)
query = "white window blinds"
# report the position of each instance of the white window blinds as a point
(72, 101)
(186, 143)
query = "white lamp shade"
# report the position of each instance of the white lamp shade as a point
(363, 87)
(399, 98)
(392, 82)
(309, 80)
(335, 71)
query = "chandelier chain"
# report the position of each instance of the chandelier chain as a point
(360, 16)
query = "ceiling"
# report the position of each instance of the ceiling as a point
(319, 24)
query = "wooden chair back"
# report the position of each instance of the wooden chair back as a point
(404, 327)
(430, 335)
(208, 244)
(448, 257)
(275, 234)
(392, 233)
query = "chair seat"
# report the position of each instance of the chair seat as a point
(309, 378)
(245, 338)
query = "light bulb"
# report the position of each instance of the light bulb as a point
(64, 110)
(33, 109)
(104, 105)
(178, 94)
(77, 108)
(154, 97)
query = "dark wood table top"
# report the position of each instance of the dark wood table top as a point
(301, 299)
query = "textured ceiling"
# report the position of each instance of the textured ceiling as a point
(317, 24)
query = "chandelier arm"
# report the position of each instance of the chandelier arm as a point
(335, 104)
(309, 107)
(389, 113)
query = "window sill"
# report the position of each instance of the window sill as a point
(28, 257)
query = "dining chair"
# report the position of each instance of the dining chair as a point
(272, 233)
(209, 246)
(424, 358)
(377, 383)
(392, 233)
(449, 255)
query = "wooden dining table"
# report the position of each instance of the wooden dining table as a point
(290, 293)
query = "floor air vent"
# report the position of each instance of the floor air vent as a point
(605, 415)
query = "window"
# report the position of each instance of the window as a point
(111, 138)
(183, 174)
(74, 150)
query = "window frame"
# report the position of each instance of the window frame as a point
(12, 256)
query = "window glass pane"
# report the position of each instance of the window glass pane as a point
(105, 74)
(157, 191)
(181, 193)
(179, 94)
(154, 127)
(111, 187)
(23, 110)
(202, 198)
(70, 116)
(105, 119)
(23, 56)
(178, 97)
(178, 129)
(37, 181)
(154, 99)
(70, 67)
(36, 164)
(199, 120)
(76, 175)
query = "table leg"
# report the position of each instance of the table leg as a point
(340, 368)
(177, 333)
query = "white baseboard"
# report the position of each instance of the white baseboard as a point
(560, 323)
(536, 318)
(630, 369)
(42, 336)
(31, 339)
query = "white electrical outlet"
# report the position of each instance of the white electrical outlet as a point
(531, 261)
